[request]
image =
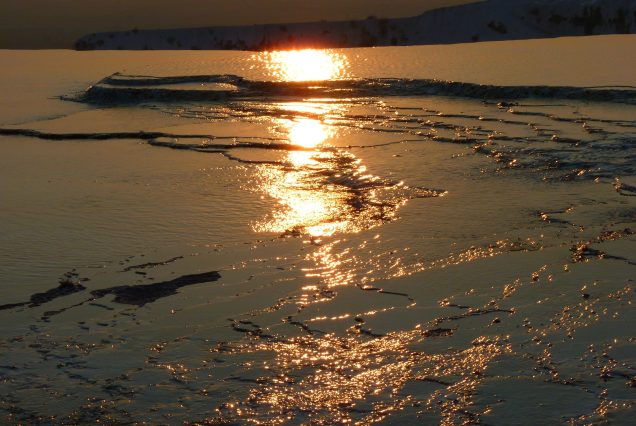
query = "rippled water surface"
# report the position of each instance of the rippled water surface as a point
(428, 235)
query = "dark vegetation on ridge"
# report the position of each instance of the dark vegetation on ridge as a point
(492, 20)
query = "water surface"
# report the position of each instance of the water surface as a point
(436, 235)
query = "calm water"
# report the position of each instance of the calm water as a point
(435, 235)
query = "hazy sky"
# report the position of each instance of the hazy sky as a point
(58, 23)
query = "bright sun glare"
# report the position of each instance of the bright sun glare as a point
(306, 65)
(307, 133)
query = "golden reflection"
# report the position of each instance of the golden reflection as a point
(305, 65)
(330, 375)
(306, 203)
(321, 190)
(301, 208)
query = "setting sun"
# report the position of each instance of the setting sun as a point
(306, 65)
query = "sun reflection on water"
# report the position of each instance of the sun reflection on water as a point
(304, 204)
(307, 133)
(305, 65)
(321, 190)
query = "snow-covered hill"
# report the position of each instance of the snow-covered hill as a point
(489, 20)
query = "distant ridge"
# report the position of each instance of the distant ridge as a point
(490, 20)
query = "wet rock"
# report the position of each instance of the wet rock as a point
(625, 189)
(502, 105)
(66, 288)
(141, 295)
(438, 332)
(151, 265)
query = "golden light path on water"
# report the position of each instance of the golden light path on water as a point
(321, 191)
(305, 205)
